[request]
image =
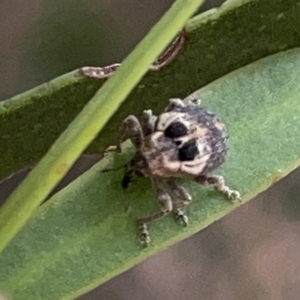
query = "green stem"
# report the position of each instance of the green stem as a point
(64, 152)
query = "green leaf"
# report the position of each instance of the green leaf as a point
(84, 236)
(219, 41)
(65, 151)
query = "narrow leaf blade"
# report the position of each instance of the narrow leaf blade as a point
(84, 236)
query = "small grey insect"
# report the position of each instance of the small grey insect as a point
(185, 141)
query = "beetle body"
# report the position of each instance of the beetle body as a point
(185, 141)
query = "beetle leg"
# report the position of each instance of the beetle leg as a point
(174, 103)
(184, 199)
(167, 206)
(218, 183)
(148, 122)
(131, 128)
(193, 101)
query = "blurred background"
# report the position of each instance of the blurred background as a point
(253, 253)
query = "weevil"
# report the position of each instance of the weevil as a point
(185, 141)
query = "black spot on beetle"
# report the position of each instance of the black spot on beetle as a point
(176, 130)
(188, 151)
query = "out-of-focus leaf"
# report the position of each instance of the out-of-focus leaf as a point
(219, 41)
